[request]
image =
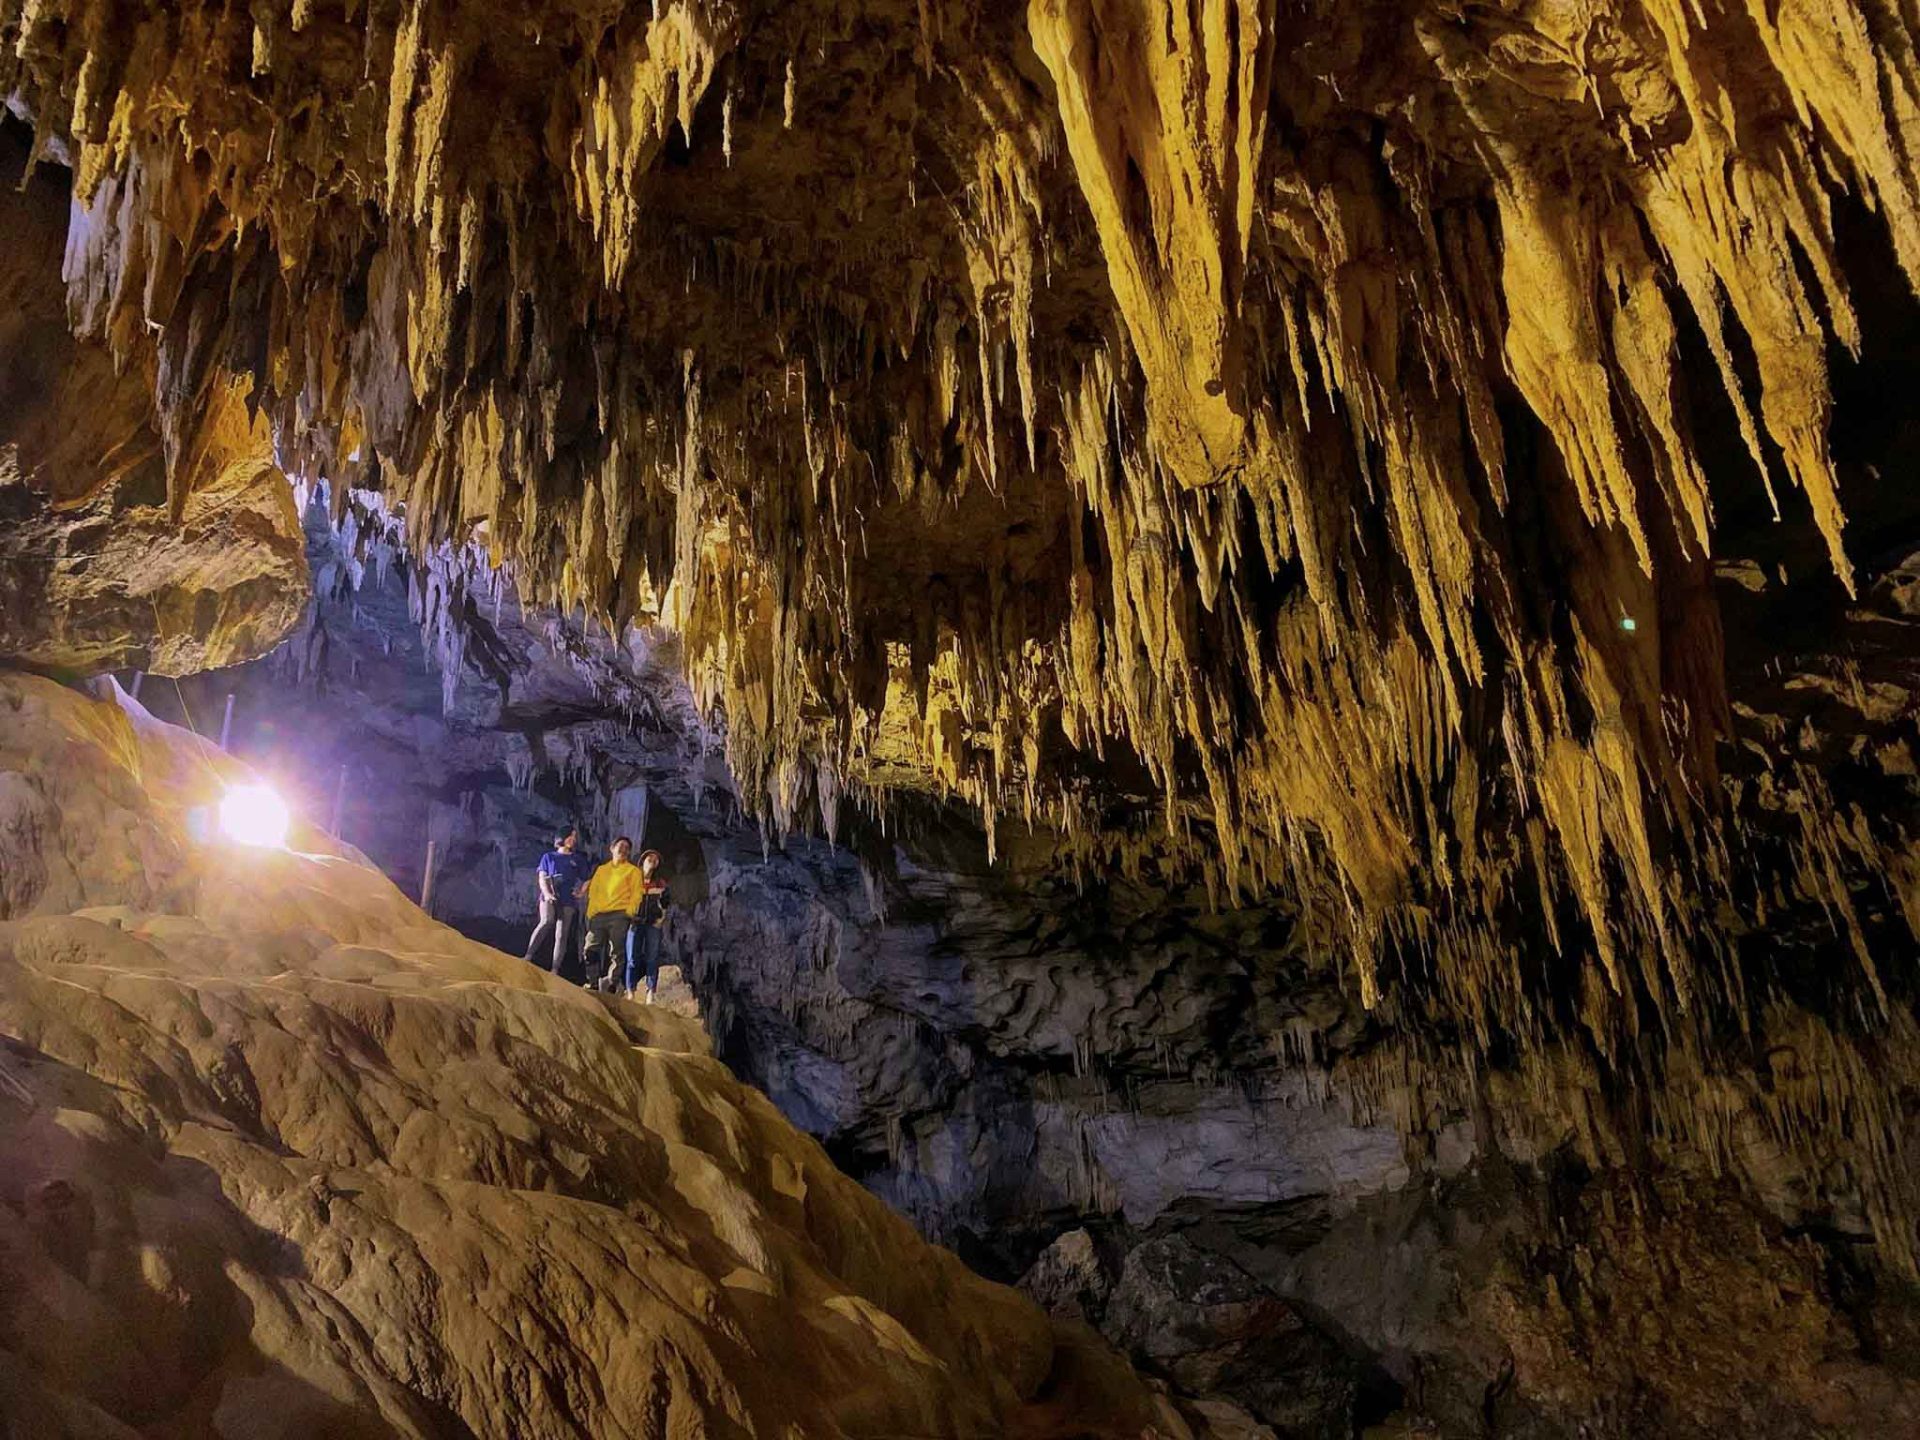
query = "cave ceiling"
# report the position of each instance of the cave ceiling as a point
(1282, 413)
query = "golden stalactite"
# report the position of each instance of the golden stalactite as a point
(1163, 107)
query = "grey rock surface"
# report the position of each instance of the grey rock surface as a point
(1196, 1317)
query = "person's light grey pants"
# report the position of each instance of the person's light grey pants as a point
(559, 920)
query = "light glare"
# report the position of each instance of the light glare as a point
(254, 815)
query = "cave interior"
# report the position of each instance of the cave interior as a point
(1272, 649)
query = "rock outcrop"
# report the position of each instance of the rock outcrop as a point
(117, 580)
(282, 1156)
(1508, 1301)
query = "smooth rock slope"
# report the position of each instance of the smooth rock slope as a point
(281, 1156)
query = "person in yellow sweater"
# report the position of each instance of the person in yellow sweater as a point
(613, 898)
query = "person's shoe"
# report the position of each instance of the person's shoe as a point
(649, 999)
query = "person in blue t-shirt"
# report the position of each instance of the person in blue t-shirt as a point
(561, 873)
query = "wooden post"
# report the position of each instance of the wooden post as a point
(339, 803)
(226, 724)
(426, 881)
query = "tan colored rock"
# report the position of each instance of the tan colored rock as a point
(111, 582)
(284, 1157)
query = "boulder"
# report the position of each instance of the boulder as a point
(1068, 1281)
(1212, 1329)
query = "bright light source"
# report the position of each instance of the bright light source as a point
(1629, 624)
(254, 815)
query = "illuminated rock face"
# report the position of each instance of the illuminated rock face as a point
(1287, 401)
(113, 582)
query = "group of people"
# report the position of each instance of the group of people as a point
(624, 903)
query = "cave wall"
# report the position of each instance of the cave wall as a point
(1280, 407)
(1279, 448)
(426, 706)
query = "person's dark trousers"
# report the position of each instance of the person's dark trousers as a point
(610, 931)
(554, 936)
(643, 955)
(576, 961)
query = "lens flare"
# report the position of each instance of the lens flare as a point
(254, 815)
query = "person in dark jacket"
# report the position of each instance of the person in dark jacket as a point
(643, 940)
(561, 872)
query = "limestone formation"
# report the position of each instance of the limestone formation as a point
(118, 581)
(1384, 518)
(999, 1055)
